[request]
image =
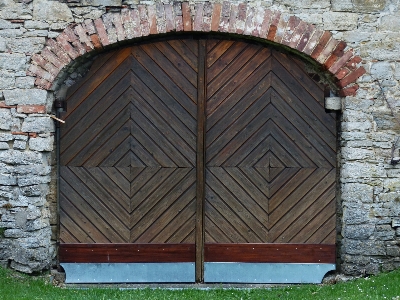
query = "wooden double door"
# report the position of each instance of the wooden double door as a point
(197, 150)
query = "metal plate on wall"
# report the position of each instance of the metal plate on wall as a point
(227, 272)
(129, 272)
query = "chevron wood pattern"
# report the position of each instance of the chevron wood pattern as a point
(128, 148)
(270, 150)
(131, 151)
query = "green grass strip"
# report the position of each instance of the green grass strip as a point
(14, 285)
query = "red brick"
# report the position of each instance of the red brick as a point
(233, 18)
(151, 11)
(349, 91)
(338, 52)
(241, 18)
(341, 62)
(290, 30)
(43, 83)
(101, 32)
(225, 15)
(89, 27)
(323, 41)
(62, 39)
(37, 72)
(352, 63)
(313, 41)
(305, 38)
(51, 57)
(249, 25)
(57, 49)
(274, 25)
(117, 21)
(42, 65)
(3, 105)
(297, 35)
(198, 17)
(83, 38)
(187, 19)
(342, 73)
(216, 16)
(352, 77)
(281, 28)
(169, 18)
(327, 51)
(160, 18)
(96, 41)
(144, 23)
(266, 23)
(135, 19)
(31, 109)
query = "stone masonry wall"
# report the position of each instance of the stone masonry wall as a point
(44, 46)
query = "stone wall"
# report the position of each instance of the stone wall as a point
(44, 46)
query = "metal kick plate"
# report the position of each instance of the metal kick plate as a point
(129, 272)
(223, 272)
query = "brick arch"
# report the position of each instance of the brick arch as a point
(146, 20)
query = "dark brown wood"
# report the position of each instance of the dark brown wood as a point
(201, 125)
(126, 253)
(271, 253)
(173, 144)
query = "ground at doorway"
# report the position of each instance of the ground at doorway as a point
(15, 285)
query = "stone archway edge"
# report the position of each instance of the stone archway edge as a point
(145, 20)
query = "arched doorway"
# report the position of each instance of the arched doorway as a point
(197, 159)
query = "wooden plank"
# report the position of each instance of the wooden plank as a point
(126, 253)
(270, 253)
(177, 77)
(188, 50)
(200, 161)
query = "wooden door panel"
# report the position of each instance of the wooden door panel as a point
(129, 150)
(270, 152)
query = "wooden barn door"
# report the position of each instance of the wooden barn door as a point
(270, 166)
(207, 160)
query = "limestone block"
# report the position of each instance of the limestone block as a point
(354, 192)
(15, 157)
(38, 124)
(32, 190)
(390, 23)
(362, 170)
(42, 144)
(342, 5)
(32, 180)
(356, 103)
(51, 11)
(5, 118)
(384, 47)
(6, 179)
(36, 24)
(385, 232)
(7, 80)
(101, 2)
(358, 232)
(353, 136)
(19, 145)
(3, 47)
(26, 45)
(4, 146)
(356, 213)
(12, 61)
(356, 126)
(382, 70)
(10, 9)
(306, 3)
(393, 251)
(369, 5)
(333, 103)
(367, 247)
(340, 20)
(26, 82)
(355, 116)
(25, 96)
(349, 153)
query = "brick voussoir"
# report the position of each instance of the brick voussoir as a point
(101, 31)
(238, 18)
(349, 91)
(351, 77)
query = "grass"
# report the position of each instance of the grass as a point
(14, 285)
